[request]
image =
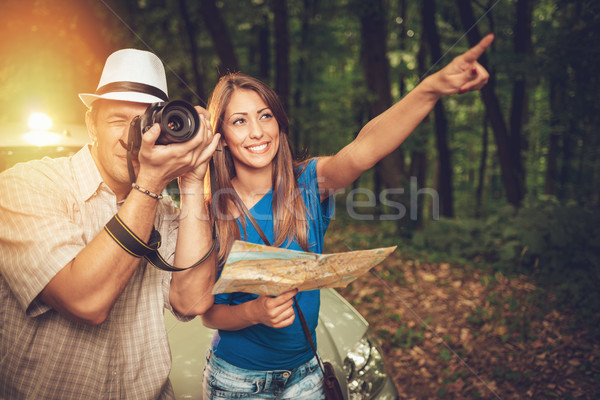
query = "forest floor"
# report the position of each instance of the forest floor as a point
(458, 332)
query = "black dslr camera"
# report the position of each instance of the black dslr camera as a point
(178, 122)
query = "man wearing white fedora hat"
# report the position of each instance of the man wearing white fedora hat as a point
(81, 314)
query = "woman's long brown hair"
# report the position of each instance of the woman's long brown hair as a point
(289, 210)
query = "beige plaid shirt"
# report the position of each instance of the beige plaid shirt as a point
(49, 211)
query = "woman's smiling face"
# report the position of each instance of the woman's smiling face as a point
(250, 131)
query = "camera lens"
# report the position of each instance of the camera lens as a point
(178, 121)
(175, 123)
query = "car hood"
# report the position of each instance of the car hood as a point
(15, 135)
(20, 144)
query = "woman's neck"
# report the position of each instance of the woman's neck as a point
(251, 186)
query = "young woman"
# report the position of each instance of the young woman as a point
(260, 350)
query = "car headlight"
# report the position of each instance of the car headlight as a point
(365, 369)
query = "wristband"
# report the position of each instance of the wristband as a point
(146, 191)
(128, 240)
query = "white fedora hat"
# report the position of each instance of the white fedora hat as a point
(131, 75)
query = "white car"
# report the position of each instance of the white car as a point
(343, 339)
(342, 334)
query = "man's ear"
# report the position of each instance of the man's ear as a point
(91, 126)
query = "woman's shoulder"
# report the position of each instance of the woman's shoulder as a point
(306, 170)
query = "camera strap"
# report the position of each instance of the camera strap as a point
(153, 256)
(157, 261)
(132, 143)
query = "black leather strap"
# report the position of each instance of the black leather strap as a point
(128, 240)
(308, 335)
(157, 261)
(135, 246)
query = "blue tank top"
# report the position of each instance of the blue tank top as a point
(260, 347)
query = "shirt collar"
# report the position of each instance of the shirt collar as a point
(87, 175)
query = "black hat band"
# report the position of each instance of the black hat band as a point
(132, 87)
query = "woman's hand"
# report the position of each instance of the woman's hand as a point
(208, 147)
(463, 74)
(276, 312)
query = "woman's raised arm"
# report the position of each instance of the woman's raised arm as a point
(380, 136)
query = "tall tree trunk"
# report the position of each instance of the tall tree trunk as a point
(441, 123)
(220, 36)
(375, 67)
(402, 42)
(482, 165)
(282, 51)
(303, 75)
(511, 179)
(190, 30)
(518, 114)
(418, 156)
(259, 50)
(264, 49)
(557, 96)
(566, 160)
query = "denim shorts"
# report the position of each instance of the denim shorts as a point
(225, 381)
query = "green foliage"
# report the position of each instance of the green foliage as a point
(445, 354)
(404, 337)
(479, 316)
(506, 373)
(557, 243)
(469, 238)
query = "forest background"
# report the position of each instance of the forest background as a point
(496, 191)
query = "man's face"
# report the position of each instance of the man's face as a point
(108, 125)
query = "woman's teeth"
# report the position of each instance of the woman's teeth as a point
(258, 148)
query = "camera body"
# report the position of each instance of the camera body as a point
(178, 122)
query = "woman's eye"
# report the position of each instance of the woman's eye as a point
(239, 121)
(266, 116)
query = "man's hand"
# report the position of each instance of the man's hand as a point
(160, 164)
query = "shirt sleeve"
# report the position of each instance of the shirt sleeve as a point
(310, 180)
(37, 236)
(168, 225)
(319, 212)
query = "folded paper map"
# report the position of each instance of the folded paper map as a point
(254, 268)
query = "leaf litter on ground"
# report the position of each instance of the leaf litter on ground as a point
(455, 331)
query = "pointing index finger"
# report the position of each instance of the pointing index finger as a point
(476, 51)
